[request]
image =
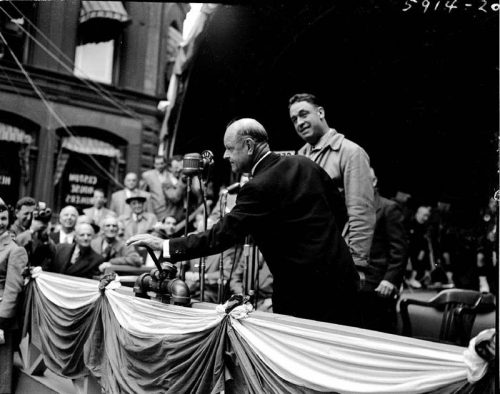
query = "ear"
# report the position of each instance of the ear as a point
(321, 112)
(250, 145)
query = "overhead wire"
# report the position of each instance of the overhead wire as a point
(53, 112)
(88, 82)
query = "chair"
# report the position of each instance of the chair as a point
(448, 317)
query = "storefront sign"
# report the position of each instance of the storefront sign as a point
(5, 180)
(81, 189)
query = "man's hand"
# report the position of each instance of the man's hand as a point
(385, 288)
(148, 240)
(192, 276)
(104, 265)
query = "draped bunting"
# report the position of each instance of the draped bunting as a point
(135, 345)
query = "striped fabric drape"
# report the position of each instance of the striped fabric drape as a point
(134, 345)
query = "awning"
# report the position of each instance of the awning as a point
(90, 146)
(101, 21)
(14, 134)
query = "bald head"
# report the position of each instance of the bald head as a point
(248, 127)
(67, 218)
(131, 180)
(245, 141)
(83, 234)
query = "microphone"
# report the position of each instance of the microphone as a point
(194, 163)
(234, 188)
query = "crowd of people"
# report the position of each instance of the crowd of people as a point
(326, 245)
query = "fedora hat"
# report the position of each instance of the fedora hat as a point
(138, 198)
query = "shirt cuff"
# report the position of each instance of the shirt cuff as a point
(166, 248)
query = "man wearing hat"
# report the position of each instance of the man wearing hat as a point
(138, 221)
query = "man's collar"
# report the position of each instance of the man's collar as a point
(137, 217)
(21, 227)
(332, 138)
(256, 164)
(108, 242)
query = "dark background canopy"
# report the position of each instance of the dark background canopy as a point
(418, 90)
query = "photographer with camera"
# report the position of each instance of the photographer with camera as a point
(40, 248)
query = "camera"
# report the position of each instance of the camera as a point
(42, 212)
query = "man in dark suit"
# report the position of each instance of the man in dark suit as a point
(289, 207)
(77, 259)
(384, 273)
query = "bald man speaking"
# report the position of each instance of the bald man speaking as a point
(289, 207)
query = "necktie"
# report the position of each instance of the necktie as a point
(135, 226)
(75, 255)
(106, 253)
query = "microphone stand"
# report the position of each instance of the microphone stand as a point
(182, 273)
(202, 263)
(220, 281)
(246, 254)
(252, 293)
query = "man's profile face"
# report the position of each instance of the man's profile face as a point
(175, 167)
(130, 181)
(159, 164)
(24, 215)
(84, 234)
(68, 217)
(236, 151)
(307, 120)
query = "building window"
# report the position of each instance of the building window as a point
(95, 61)
(13, 26)
(99, 31)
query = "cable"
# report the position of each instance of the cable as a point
(51, 110)
(88, 82)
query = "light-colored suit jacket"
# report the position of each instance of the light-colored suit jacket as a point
(151, 182)
(121, 208)
(91, 214)
(13, 259)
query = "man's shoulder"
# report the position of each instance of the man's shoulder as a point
(108, 211)
(23, 238)
(63, 248)
(96, 241)
(88, 210)
(118, 193)
(349, 146)
(125, 218)
(389, 206)
(94, 256)
(149, 215)
(148, 173)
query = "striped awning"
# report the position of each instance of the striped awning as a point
(89, 146)
(103, 9)
(14, 134)
(101, 21)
